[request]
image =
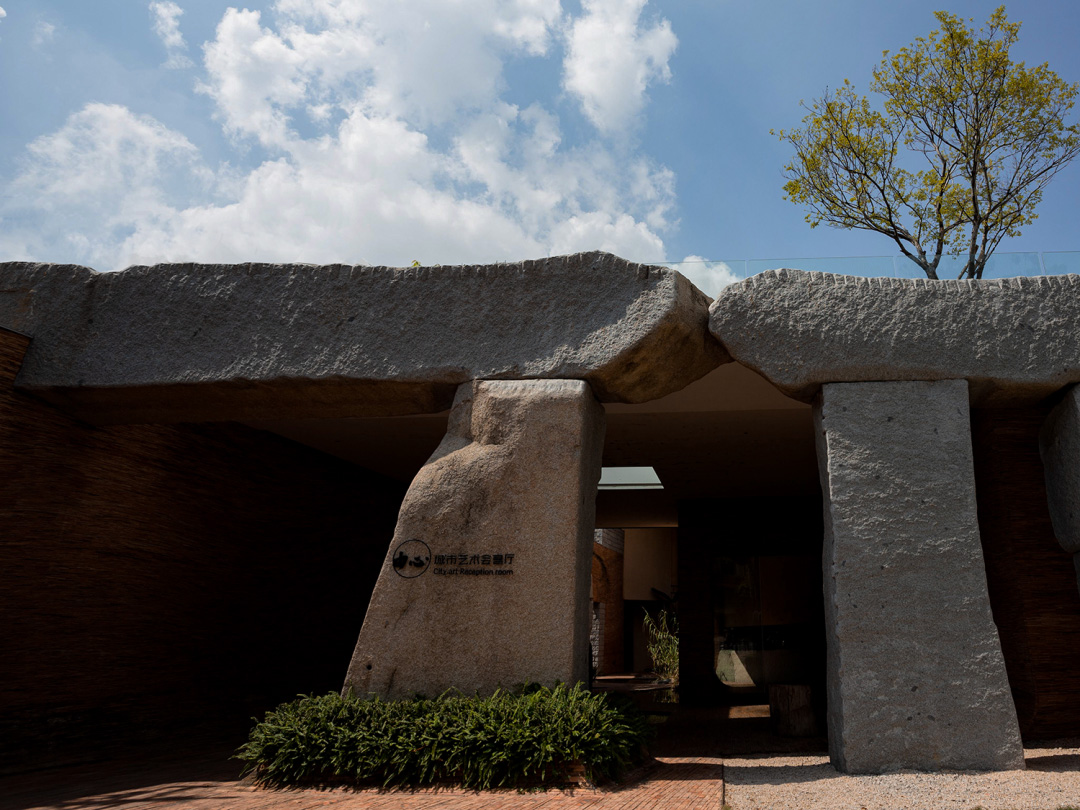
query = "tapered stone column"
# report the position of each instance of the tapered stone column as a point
(1059, 444)
(486, 582)
(916, 676)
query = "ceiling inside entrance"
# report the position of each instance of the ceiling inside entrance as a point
(730, 434)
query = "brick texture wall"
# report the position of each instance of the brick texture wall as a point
(157, 579)
(1031, 579)
(607, 592)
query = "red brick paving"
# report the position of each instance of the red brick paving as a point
(672, 783)
(687, 775)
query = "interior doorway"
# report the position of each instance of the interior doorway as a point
(739, 502)
(741, 580)
(750, 607)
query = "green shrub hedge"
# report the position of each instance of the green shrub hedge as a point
(530, 737)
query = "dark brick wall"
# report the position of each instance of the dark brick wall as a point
(1031, 579)
(157, 579)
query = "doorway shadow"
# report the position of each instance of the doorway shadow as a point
(724, 731)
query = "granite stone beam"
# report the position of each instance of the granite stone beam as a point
(916, 677)
(191, 342)
(486, 582)
(1059, 445)
(1014, 340)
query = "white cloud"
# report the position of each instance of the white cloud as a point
(709, 277)
(101, 148)
(528, 23)
(611, 61)
(166, 16)
(385, 136)
(426, 61)
(43, 33)
(104, 174)
(255, 77)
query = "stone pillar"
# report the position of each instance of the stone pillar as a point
(916, 677)
(486, 582)
(1059, 444)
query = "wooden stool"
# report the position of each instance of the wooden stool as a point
(791, 710)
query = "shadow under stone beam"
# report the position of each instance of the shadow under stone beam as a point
(1059, 445)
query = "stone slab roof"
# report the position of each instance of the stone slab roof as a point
(178, 342)
(1015, 340)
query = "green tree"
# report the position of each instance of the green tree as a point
(957, 159)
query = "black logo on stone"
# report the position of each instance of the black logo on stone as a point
(411, 558)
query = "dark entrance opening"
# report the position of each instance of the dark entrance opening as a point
(742, 499)
(750, 607)
(746, 587)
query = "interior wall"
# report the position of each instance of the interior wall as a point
(650, 578)
(161, 578)
(650, 563)
(1031, 579)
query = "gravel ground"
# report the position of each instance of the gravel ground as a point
(808, 782)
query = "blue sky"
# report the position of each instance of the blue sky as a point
(383, 131)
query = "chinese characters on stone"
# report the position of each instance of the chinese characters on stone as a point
(474, 559)
(465, 563)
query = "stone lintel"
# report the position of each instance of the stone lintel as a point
(916, 676)
(194, 342)
(486, 582)
(1014, 340)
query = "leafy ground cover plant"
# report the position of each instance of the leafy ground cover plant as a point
(533, 736)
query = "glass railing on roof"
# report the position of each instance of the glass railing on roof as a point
(711, 276)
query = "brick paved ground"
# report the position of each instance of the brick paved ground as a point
(672, 783)
(687, 775)
(693, 751)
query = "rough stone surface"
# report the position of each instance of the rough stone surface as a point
(1015, 340)
(1059, 445)
(213, 342)
(916, 677)
(515, 475)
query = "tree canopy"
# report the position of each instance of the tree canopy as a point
(957, 157)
